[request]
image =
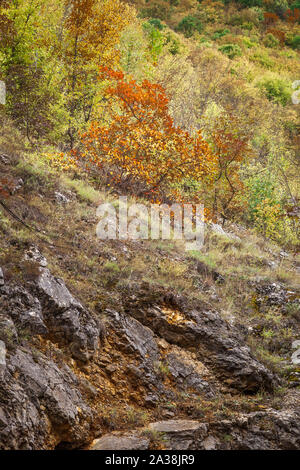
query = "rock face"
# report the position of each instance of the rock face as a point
(54, 372)
(41, 404)
(44, 402)
(149, 360)
(195, 327)
(68, 321)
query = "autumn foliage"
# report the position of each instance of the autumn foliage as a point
(292, 16)
(231, 145)
(140, 146)
(5, 187)
(270, 18)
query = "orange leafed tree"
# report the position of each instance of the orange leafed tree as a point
(292, 16)
(5, 187)
(140, 146)
(270, 18)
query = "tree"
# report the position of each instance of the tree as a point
(92, 30)
(141, 147)
(25, 60)
(230, 139)
(189, 24)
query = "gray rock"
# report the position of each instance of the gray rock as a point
(296, 357)
(41, 404)
(61, 198)
(4, 158)
(265, 430)
(18, 186)
(132, 441)
(194, 326)
(2, 282)
(273, 264)
(210, 443)
(34, 255)
(186, 374)
(2, 359)
(8, 332)
(66, 318)
(216, 228)
(25, 310)
(180, 434)
(271, 294)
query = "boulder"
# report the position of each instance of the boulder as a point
(130, 441)
(180, 434)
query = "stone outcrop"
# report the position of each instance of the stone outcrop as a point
(41, 403)
(263, 430)
(195, 327)
(68, 321)
(129, 441)
(155, 348)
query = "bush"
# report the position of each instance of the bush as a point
(296, 4)
(248, 15)
(188, 25)
(295, 42)
(279, 7)
(220, 33)
(263, 59)
(155, 11)
(231, 50)
(156, 40)
(257, 13)
(156, 23)
(251, 3)
(173, 44)
(276, 90)
(248, 26)
(270, 41)
(248, 43)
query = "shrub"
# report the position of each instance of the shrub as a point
(173, 44)
(295, 42)
(156, 40)
(248, 42)
(263, 59)
(270, 41)
(220, 33)
(156, 23)
(248, 15)
(188, 25)
(251, 3)
(248, 25)
(276, 90)
(231, 50)
(296, 4)
(279, 7)
(257, 14)
(155, 11)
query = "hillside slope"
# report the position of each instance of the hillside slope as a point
(139, 344)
